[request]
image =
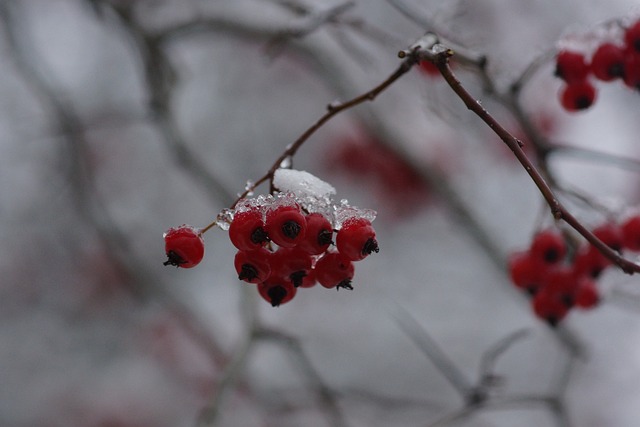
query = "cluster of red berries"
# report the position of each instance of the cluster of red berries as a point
(282, 248)
(611, 60)
(559, 277)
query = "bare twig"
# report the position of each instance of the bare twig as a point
(434, 353)
(326, 396)
(89, 204)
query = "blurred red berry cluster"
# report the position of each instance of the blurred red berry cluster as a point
(611, 60)
(394, 181)
(559, 276)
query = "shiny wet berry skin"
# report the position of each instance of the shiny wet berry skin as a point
(356, 239)
(286, 226)
(247, 231)
(184, 247)
(334, 270)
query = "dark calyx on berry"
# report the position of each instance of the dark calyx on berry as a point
(276, 294)
(567, 300)
(552, 256)
(552, 321)
(371, 245)
(297, 277)
(324, 237)
(174, 259)
(583, 102)
(259, 235)
(345, 284)
(248, 272)
(291, 229)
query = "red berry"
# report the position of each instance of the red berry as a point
(610, 234)
(525, 271)
(631, 233)
(334, 270)
(356, 239)
(632, 37)
(608, 62)
(276, 291)
(549, 308)
(253, 266)
(571, 66)
(586, 295)
(247, 231)
(548, 246)
(578, 95)
(561, 282)
(286, 225)
(293, 264)
(632, 70)
(589, 262)
(184, 246)
(318, 234)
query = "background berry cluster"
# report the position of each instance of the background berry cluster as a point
(560, 275)
(283, 247)
(614, 59)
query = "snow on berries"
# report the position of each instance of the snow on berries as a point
(285, 240)
(616, 56)
(184, 246)
(560, 274)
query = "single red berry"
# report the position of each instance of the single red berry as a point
(286, 225)
(589, 262)
(184, 246)
(549, 246)
(578, 95)
(587, 295)
(562, 283)
(631, 233)
(247, 231)
(526, 271)
(318, 234)
(334, 270)
(549, 308)
(276, 291)
(293, 264)
(631, 75)
(253, 266)
(356, 239)
(611, 235)
(632, 37)
(608, 62)
(571, 66)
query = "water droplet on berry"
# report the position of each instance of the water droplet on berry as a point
(224, 218)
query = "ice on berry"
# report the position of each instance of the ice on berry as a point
(311, 192)
(345, 211)
(224, 218)
(250, 204)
